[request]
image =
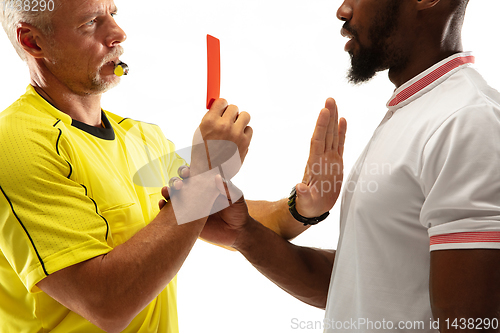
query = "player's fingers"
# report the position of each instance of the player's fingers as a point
(319, 136)
(165, 192)
(331, 134)
(161, 204)
(341, 133)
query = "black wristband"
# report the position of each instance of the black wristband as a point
(300, 218)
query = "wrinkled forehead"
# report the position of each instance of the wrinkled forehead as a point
(69, 10)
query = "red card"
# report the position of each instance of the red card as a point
(213, 70)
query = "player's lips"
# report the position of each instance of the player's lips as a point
(349, 45)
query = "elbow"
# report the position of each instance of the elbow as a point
(111, 324)
(318, 301)
(313, 295)
(112, 327)
(322, 304)
(110, 317)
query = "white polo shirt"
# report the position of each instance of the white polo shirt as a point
(428, 180)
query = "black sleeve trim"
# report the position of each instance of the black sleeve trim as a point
(97, 211)
(121, 121)
(57, 142)
(57, 150)
(26, 231)
(70, 170)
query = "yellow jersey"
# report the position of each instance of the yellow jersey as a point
(70, 192)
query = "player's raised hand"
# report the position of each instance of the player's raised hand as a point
(323, 176)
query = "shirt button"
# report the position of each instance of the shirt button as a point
(389, 114)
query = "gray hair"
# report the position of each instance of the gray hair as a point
(37, 13)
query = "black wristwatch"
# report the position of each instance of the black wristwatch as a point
(300, 218)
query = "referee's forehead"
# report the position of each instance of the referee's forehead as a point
(77, 8)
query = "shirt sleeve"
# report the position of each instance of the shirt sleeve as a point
(461, 181)
(47, 220)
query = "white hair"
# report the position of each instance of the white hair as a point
(13, 12)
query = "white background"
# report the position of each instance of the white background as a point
(280, 61)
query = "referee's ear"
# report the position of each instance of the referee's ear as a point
(29, 38)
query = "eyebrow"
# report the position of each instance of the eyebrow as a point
(90, 14)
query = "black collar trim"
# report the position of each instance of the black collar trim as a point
(106, 133)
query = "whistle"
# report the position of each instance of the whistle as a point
(121, 68)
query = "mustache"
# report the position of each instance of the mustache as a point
(116, 53)
(350, 30)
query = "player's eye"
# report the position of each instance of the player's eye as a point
(91, 23)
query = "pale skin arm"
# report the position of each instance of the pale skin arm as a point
(110, 290)
(276, 216)
(303, 272)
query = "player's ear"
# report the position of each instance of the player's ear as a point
(29, 38)
(425, 4)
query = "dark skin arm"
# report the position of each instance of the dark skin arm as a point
(303, 272)
(465, 284)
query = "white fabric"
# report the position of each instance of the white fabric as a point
(431, 168)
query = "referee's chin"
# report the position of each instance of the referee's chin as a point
(102, 84)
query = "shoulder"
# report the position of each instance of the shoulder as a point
(26, 124)
(468, 89)
(128, 123)
(463, 102)
(134, 128)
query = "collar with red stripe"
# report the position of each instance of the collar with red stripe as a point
(427, 80)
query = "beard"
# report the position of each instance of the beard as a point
(79, 82)
(381, 55)
(97, 84)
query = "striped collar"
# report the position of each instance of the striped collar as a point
(427, 80)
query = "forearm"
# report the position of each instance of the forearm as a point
(302, 272)
(276, 216)
(135, 272)
(110, 290)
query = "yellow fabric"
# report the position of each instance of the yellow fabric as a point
(66, 196)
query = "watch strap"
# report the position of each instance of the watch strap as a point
(293, 210)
